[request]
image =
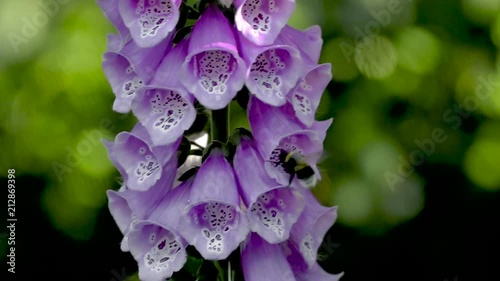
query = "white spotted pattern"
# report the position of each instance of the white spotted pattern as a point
(171, 108)
(214, 68)
(153, 15)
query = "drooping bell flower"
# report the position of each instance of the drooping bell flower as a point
(127, 206)
(155, 242)
(262, 20)
(129, 67)
(309, 41)
(272, 209)
(278, 133)
(273, 70)
(262, 261)
(164, 107)
(314, 78)
(149, 21)
(309, 231)
(213, 69)
(111, 12)
(301, 270)
(213, 221)
(139, 163)
(306, 95)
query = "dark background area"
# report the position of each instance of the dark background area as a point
(439, 223)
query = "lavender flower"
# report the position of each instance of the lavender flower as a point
(164, 107)
(278, 133)
(140, 164)
(129, 67)
(314, 222)
(272, 209)
(262, 20)
(127, 206)
(273, 69)
(213, 70)
(245, 191)
(214, 222)
(155, 243)
(149, 21)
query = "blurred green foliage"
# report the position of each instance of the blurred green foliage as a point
(403, 77)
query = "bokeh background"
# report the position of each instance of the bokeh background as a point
(413, 155)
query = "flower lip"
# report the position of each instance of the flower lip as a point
(149, 21)
(165, 112)
(213, 70)
(214, 222)
(158, 250)
(262, 20)
(273, 69)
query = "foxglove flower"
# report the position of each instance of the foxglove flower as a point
(262, 20)
(278, 132)
(273, 69)
(155, 243)
(149, 21)
(213, 69)
(306, 95)
(262, 261)
(309, 231)
(301, 270)
(272, 209)
(127, 206)
(214, 223)
(139, 163)
(164, 107)
(129, 67)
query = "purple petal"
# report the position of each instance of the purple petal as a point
(306, 96)
(127, 206)
(262, 261)
(309, 231)
(301, 270)
(213, 70)
(150, 21)
(114, 42)
(165, 112)
(155, 243)
(139, 164)
(110, 10)
(214, 223)
(123, 79)
(308, 41)
(130, 68)
(272, 210)
(269, 123)
(262, 20)
(273, 72)
(158, 250)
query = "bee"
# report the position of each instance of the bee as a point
(295, 164)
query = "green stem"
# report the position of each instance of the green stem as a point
(219, 125)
